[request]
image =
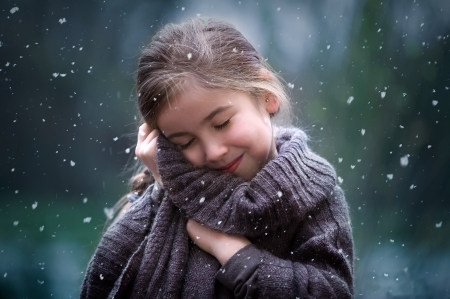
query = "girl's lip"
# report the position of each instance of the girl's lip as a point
(233, 165)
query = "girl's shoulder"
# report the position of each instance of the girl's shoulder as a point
(285, 136)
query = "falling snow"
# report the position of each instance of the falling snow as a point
(350, 100)
(34, 206)
(87, 219)
(63, 20)
(109, 212)
(404, 160)
(14, 9)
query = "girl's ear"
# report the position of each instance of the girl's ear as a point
(271, 103)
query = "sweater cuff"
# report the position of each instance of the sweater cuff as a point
(239, 273)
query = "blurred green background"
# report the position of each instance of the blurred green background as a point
(369, 79)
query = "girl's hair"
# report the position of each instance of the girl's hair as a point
(210, 53)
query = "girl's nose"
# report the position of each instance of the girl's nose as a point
(214, 150)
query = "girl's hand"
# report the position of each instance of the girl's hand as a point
(222, 246)
(146, 149)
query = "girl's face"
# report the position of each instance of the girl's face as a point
(222, 130)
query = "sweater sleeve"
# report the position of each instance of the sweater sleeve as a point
(321, 267)
(289, 186)
(120, 241)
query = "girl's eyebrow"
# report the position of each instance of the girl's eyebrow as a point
(206, 119)
(179, 134)
(215, 112)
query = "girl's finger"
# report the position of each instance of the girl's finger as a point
(144, 130)
(146, 145)
(152, 135)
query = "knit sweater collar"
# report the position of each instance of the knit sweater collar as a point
(297, 174)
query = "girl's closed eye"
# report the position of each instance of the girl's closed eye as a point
(223, 125)
(185, 145)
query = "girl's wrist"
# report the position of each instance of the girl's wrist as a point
(223, 251)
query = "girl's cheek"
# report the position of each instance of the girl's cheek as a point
(236, 135)
(193, 155)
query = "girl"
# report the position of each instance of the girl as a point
(229, 206)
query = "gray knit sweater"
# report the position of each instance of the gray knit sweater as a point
(292, 211)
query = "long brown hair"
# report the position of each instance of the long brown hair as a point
(213, 54)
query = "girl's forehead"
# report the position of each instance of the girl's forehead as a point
(199, 100)
(190, 96)
(196, 103)
(197, 87)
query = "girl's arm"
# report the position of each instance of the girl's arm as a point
(320, 267)
(308, 273)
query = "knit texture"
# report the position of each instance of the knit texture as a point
(292, 211)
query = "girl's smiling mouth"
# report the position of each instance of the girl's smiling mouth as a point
(232, 166)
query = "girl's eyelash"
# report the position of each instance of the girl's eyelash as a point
(223, 125)
(186, 145)
(218, 127)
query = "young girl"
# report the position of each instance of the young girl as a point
(237, 208)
